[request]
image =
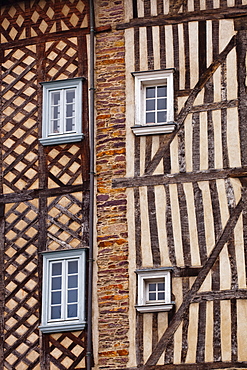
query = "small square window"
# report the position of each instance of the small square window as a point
(154, 113)
(154, 290)
(62, 112)
(63, 303)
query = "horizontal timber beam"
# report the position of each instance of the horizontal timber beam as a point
(177, 178)
(169, 19)
(33, 194)
(198, 366)
(220, 295)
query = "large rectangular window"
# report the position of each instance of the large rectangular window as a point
(63, 305)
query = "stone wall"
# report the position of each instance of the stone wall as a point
(112, 258)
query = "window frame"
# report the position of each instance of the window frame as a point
(146, 276)
(146, 79)
(49, 325)
(50, 138)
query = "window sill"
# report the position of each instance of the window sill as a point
(57, 328)
(61, 139)
(154, 129)
(155, 307)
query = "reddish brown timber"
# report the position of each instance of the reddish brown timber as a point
(178, 317)
(137, 229)
(33, 194)
(201, 15)
(184, 225)
(205, 77)
(199, 210)
(234, 335)
(215, 106)
(162, 46)
(177, 178)
(150, 48)
(153, 226)
(169, 228)
(184, 350)
(139, 338)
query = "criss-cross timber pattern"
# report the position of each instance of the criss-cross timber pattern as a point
(65, 224)
(21, 286)
(34, 18)
(19, 120)
(61, 59)
(67, 351)
(64, 165)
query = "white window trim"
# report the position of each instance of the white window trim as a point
(153, 78)
(61, 138)
(52, 326)
(147, 275)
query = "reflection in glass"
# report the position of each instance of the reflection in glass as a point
(55, 312)
(72, 281)
(56, 269)
(150, 117)
(72, 267)
(72, 310)
(56, 297)
(150, 92)
(72, 295)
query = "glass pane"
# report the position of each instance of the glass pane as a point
(72, 295)
(70, 124)
(56, 298)
(56, 283)
(55, 98)
(161, 286)
(161, 296)
(161, 116)
(70, 96)
(56, 312)
(72, 267)
(150, 118)
(152, 287)
(55, 126)
(150, 104)
(161, 104)
(152, 297)
(57, 269)
(55, 112)
(70, 110)
(161, 91)
(150, 92)
(72, 310)
(73, 281)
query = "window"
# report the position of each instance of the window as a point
(154, 102)
(154, 290)
(62, 112)
(63, 296)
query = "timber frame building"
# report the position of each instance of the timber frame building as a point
(123, 219)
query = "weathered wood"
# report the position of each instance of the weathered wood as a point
(137, 229)
(220, 13)
(231, 223)
(204, 366)
(169, 229)
(153, 226)
(220, 295)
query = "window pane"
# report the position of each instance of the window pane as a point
(55, 112)
(150, 104)
(73, 281)
(161, 286)
(150, 92)
(161, 91)
(161, 116)
(56, 312)
(152, 287)
(55, 126)
(72, 295)
(55, 98)
(152, 296)
(70, 96)
(57, 269)
(161, 296)
(72, 310)
(161, 104)
(56, 298)
(72, 267)
(56, 283)
(150, 118)
(70, 124)
(70, 110)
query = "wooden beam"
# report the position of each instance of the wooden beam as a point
(198, 366)
(178, 317)
(220, 295)
(173, 18)
(177, 178)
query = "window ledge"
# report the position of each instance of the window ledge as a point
(55, 328)
(154, 129)
(61, 139)
(161, 307)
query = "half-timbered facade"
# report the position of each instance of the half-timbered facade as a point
(167, 215)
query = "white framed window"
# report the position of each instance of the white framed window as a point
(154, 290)
(62, 112)
(154, 105)
(63, 293)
